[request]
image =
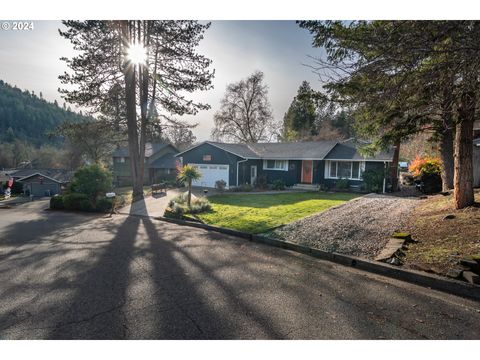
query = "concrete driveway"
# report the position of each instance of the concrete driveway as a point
(153, 205)
(78, 276)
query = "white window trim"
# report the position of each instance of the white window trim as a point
(328, 164)
(285, 167)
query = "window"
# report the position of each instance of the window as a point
(344, 169)
(275, 165)
(121, 159)
(207, 157)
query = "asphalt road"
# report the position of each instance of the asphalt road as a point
(75, 276)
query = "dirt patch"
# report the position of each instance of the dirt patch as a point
(445, 235)
(360, 227)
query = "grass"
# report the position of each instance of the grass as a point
(258, 213)
(443, 242)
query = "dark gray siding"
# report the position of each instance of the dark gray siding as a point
(219, 156)
(476, 166)
(38, 187)
(290, 177)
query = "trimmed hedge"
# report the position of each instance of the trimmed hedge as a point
(77, 201)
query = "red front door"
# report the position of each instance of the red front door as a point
(307, 172)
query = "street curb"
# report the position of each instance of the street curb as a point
(432, 281)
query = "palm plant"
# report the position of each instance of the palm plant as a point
(187, 174)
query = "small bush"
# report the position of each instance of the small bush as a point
(261, 182)
(104, 204)
(278, 184)
(243, 188)
(427, 172)
(342, 184)
(372, 180)
(17, 188)
(56, 202)
(178, 205)
(91, 180)
(200, 205)
(425, 166)
(77, 201)
(220, 185)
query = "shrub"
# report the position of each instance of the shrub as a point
(243, 188)
(56, 202)
(77, 201)
(220, 185)
(17, 188)
(93, 181)
(278, 184)
(426, 165)
(104, 204)
(261, 182)
(427, 171)
(179, 205)
(342, 184)
(373, 180)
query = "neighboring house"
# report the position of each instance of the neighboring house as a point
(160, 164)
(42, 182)
(476, 162)
(316, 162)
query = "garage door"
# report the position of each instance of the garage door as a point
(210, 174)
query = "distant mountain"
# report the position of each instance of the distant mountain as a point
(28, 117)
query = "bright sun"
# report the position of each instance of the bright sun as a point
(137, 54)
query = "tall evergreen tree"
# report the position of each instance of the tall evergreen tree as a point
(147, 66)
(403, 77)
(299, 120)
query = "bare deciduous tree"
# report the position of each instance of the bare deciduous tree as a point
(245, 114)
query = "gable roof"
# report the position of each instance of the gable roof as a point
(348, 150)
(58, 175)
(150, 149)
(307, 150)
(166, 161)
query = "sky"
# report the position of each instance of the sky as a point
(31, 60)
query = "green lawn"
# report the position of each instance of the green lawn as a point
(257, 213)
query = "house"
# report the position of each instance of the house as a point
(160, 164)
(42, 182)
(314, 163)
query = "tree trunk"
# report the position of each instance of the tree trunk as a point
(446, 155)
(394, 167)
(463, 173)
(446, 138)
(189, 200)
(131, 114)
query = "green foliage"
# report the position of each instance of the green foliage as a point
(299, 120)
(220, 185)
(261, 182)
(178, 206)
(104, 204)
(278, 184)
(243, 188)
(373, 180)
(77, 201)
(17, 188)
(56, 202)
(341, 184)
(188, 173)
(93, 181)
(26, 117)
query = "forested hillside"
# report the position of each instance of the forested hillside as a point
(27, 117)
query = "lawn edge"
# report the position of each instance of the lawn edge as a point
(431, 281)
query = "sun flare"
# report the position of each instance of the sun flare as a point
(137, 54)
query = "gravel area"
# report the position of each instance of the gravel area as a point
(360, 227)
